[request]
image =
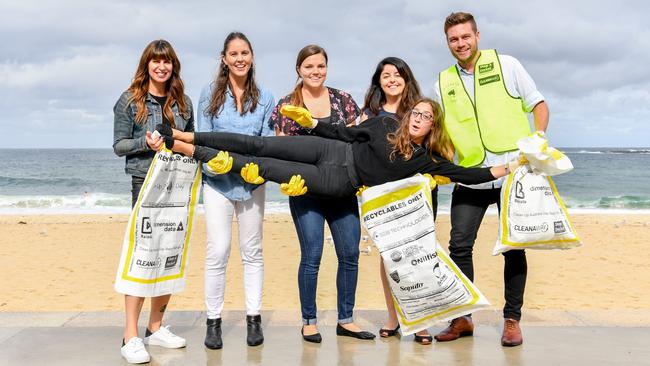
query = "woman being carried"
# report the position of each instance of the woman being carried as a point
(380, 150)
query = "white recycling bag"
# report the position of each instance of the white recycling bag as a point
(543, 159)
(156, 243)
(426, 284)
(533, 215)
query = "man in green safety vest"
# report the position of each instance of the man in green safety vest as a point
(486, 98)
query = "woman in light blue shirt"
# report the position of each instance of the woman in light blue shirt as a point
(233, 102)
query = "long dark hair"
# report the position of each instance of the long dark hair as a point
(139, 88)
(251, 95)
(376, 98)
(309, 50)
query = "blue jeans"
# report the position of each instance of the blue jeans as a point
(342, 215)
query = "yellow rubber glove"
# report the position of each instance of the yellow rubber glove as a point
(220, 164)
(441, 180)
(295, 187)
(299, 114)
(516, 163)
(522, 159)
(432, 181)
(251, 174)
(361, 189)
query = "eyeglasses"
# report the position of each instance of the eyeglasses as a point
(424, 116)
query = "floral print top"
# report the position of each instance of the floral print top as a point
(343, 110)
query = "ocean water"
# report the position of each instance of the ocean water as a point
(36, 181)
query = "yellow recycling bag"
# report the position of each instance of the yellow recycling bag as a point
(156, 243)
(533, 216)
(426, 284)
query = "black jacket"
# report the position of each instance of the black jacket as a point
(371, 151)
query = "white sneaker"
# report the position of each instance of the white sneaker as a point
(165, 338)
(134, 352)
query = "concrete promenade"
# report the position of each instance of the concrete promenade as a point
(550, 338)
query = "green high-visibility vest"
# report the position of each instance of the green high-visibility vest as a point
(493, 122)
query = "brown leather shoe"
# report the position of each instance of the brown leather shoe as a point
(511, 333)
(459, 327)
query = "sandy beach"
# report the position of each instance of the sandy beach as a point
(68, 263)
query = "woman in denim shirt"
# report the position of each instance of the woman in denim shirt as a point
(234, 103)
(310, 213)
(155, 96)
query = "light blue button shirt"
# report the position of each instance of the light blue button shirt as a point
(254, 123)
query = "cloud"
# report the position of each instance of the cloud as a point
(63, 64)
(601, 119)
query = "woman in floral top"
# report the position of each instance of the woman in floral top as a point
(310, 213)
(342, 108)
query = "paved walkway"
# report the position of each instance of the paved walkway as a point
(550, 338)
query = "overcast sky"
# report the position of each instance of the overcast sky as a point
(63, 64)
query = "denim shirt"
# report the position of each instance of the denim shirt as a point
(255, 123)
(129, 138)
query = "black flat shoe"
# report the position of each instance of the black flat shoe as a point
(213, 334)
(423, 339)
(385, 333)
(313, 338)
(254, 336)
(340, 331)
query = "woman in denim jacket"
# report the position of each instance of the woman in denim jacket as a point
(233, 102)
(309, 213)
(155, 96)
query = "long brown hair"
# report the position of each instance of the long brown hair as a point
(309, 50)
(436, 141)
(375, 96)
(251, 94)
(158, 50)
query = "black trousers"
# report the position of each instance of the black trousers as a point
(136, 186)
(324, 164)
(468, 207)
